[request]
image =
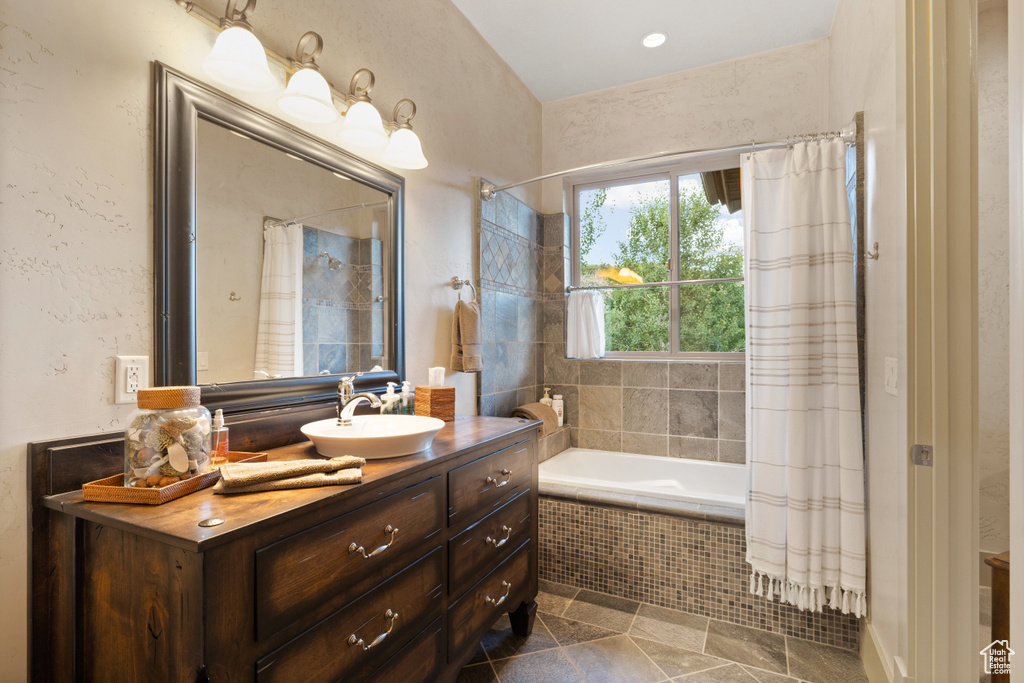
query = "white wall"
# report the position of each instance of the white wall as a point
(763, 97)
(866, 73)
(993, 277)
(76, 198)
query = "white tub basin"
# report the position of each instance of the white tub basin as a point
(374, 436)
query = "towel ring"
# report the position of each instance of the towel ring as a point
(457, 284)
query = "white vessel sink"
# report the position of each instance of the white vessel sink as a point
(374, 436)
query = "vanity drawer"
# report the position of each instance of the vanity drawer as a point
(479, 487)
(500, 591)
(385, 620)
(343, 558)
(419, 661)
(473, 552)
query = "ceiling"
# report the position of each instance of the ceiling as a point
(562, 48)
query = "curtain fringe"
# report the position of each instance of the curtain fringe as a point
(809, 597)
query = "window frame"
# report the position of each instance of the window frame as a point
(712, 161)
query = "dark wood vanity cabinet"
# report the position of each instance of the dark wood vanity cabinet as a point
(396, 579)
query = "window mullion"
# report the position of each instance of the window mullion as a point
(673, 241)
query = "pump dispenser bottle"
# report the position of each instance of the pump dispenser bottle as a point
(547, 399)
(406, 403)
(389, 401)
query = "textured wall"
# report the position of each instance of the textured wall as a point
(866, 73)
(76, 159)
(763, 97)
(993, 277)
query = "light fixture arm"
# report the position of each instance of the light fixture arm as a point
(399, 120)
(309, 47)
(357, 93)
(237, 17)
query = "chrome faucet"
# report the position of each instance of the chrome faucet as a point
(348, 399)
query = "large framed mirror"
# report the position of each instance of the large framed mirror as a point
(277, 257)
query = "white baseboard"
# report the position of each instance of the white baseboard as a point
(876, 663)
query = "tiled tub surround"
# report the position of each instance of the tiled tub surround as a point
(682, 563)
(511, 299)
(342, 325)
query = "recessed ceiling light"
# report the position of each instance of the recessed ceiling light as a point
(654, 39)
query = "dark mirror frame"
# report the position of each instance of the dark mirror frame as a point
(180, 103)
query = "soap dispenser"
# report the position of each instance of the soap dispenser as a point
(407, 403)
(389, 401)
(547, 399)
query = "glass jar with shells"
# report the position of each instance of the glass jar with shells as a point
(167, 438)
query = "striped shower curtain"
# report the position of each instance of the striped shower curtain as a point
(279, 331)
(805, 515)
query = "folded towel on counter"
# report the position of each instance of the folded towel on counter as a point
(241, 477)
(467, 349)
(539, 411)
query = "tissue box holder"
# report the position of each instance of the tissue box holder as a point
(436, 402)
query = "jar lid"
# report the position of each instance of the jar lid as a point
(168, 398)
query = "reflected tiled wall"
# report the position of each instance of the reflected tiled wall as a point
(342, 325)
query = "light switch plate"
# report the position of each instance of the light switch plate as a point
(203, 360)
(891, 368)
(131, 373)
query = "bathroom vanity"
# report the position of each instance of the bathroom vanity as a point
(394, 579)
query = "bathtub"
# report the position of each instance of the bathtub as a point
(688, 487)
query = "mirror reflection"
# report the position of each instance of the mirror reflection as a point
(292, 264)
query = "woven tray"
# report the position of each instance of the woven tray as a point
(113, 490)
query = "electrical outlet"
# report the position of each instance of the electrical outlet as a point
(203, 360)
(131, 373)
(890, 376)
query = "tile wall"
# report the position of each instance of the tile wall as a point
(342, 325)
(511, 297)
(690, 565)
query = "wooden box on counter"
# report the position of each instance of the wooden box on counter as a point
(397, 578)
(436, 402)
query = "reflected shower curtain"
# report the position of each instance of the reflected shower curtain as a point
(805, 515)
(279, 334)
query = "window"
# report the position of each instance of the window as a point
(635, 233)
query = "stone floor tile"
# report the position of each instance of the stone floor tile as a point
(550, 666)
(569, 632)
(477, 673)
(603, 610)
(553, 598)
(823, 664)
(670, 626)
(747, 646)
(730, 673)
(768, 676)
(614, 660)
(676, 661)
(479, 655)
(500, 642)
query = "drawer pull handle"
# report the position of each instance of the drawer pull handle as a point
(352, 548)
(353, 640)
(497, 603)
(508, 477)
(496, 543)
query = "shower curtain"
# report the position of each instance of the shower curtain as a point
(805, 515)
(279, 333)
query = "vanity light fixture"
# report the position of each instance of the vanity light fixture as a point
(308, 96)
(404, 149)
(363, 126)
(238, 59)
(654, 39)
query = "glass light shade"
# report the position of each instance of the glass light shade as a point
(363, 127)
(308, 98)
(404, 150)
(238, 60)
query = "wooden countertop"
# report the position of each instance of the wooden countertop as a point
(176, 522)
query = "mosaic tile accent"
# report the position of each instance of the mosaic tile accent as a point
(675, 562)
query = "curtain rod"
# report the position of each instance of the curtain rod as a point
(299, 219)
(847, 134)
(710, 281)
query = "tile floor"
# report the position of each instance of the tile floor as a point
(581, 635)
